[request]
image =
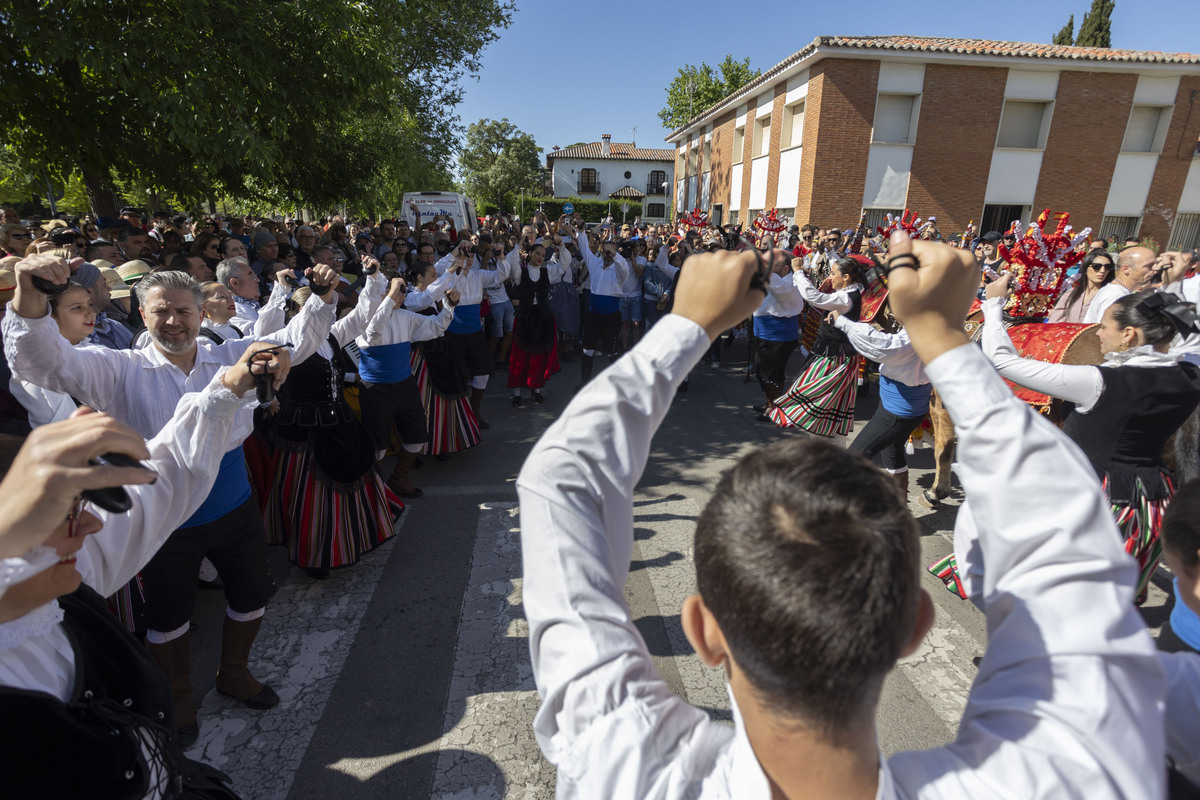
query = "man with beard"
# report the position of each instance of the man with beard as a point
(141, 388)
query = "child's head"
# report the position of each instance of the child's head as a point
(807, 559)
(74, 312)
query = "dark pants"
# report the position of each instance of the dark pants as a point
(602, 332)
(886, 434)
(385, 404)
(770, 361)
(236, 544)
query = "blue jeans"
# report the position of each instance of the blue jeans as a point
(500, 319)
(650, 312)
(631, 309)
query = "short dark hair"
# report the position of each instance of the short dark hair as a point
(123, 234)
(786, 530)
(1181, 524)
(181, 262)
(92, 251)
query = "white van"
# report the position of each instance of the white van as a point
(457, 206)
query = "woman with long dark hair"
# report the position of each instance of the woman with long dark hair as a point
(1097, 269)
(821, 401)
(1122, 412)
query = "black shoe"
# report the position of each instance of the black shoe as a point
(483, 426)
(759, 408)
(516, 401)
(763, 418)
(214, 584)
(539, 398)
(316, 574)
(186, 736)
(263, 700)
(442, 457)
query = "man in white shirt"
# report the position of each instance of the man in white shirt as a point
(1069, 697)
(1135, 271)
(141, 388)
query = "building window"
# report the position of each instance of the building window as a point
(1185, 234)
(656, 210)
(694, 160)
(877, 217)
(894, 118)
(739, 144)
(1000, 218)
(792, 132)
(656, 183)
(762, 137)
(718, 213)
(1118, 229)
(706, 158)
(733, 218)
(1146, 129)
(1023, 125)
(588, 183)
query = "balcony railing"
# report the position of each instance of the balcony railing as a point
(655, 189)
(587, 187)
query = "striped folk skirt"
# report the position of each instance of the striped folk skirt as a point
(452, 425)
(1138, 522)
(326, 524)
(821, 401)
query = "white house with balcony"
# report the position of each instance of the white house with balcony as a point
(616, 171)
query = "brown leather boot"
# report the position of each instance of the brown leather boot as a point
(476, 402)
(398, 481)
(175, 659)
(233, 677)
(901, 479)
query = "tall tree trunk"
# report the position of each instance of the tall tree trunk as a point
(100, 192)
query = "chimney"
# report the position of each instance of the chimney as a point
(605, 144)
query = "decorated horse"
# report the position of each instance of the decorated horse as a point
(1038, 265)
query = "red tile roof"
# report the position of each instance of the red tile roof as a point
(984, 47)
(960, 47)
(624, 151)
(628, 191)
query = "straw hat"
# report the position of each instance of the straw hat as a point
(116, 284)
(132, 271)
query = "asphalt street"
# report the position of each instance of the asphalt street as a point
(408, 676)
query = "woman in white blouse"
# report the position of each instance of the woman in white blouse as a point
(75, 315)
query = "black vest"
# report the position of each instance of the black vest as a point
(88, 747)
(832, 342)
(1124, 434)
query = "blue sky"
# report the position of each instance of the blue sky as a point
(568, 72)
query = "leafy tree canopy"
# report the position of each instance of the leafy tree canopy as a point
(497, 161)
(1067, 34)
(1096, 28)
(696, 88)
(313, 102)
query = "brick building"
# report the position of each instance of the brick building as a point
(960, 129)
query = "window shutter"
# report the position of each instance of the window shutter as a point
(893, 118)
(1139, 135)
(1021, 124)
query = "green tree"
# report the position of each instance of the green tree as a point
(696, 88)
(498, 161)
(1067, 34)
(305, 102)
(1096, 28)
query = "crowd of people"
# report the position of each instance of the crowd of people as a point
(182, 333)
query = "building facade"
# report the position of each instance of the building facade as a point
(615, 170)
(964, 130)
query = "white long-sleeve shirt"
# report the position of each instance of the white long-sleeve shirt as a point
(606, 281)
(141, 387)
(394, 325)
(783, 298)
(894, 351)
(354, 324)
(471, 286)
(1077, 383)
(258, 321)
(1183, 721)
(827, 301)
(1068, 700)
(35, 653)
